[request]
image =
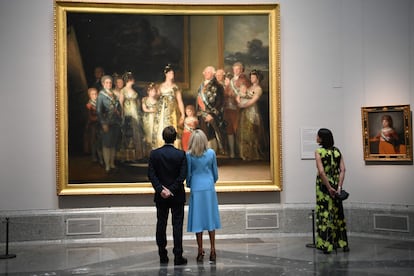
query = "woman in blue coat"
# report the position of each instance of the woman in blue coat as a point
(202, 174)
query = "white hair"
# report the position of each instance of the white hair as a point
(210, 68)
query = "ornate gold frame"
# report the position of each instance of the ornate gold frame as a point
(61, 8)
(371, 126)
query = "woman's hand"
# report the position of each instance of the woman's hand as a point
(332, 191)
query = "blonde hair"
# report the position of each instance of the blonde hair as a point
(198, 143)
(90, 89)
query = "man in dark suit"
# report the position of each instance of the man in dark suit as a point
(167, 170)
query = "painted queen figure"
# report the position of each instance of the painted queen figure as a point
(170, 108)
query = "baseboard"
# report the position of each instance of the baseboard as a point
(250, 220)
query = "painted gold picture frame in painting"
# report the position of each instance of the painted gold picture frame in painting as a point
(142, 39)
(387, 133)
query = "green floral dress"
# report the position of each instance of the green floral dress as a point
(330, 220)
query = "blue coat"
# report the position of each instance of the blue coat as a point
(202, 174)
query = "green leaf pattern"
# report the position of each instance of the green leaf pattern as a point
(330, 221)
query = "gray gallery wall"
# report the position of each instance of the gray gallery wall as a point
(337, 56)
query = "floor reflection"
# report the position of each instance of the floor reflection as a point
(250, 256)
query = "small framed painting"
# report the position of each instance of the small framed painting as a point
(387, 133)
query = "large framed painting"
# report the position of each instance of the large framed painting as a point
(119, 42)
(387, 133)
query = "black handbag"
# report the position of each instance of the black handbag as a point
(343, 195)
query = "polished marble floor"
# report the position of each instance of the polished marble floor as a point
(260, 256)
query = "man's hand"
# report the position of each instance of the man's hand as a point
(208, 118)
(166, 193)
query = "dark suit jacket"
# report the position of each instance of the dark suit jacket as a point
(167, 166)
(214, 104)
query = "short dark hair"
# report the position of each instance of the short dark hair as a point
(169, 134)
(327, 140)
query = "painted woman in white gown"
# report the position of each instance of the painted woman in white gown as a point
(132, 122)
(149, 108)
(170, 109)
(251, 139)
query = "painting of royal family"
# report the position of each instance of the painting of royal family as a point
(130, 75)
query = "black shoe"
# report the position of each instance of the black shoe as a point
(164, 260)
(180, 261)
(346, 249)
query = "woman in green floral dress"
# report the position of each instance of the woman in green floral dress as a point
(330, 220)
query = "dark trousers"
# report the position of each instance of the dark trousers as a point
(177, 211)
